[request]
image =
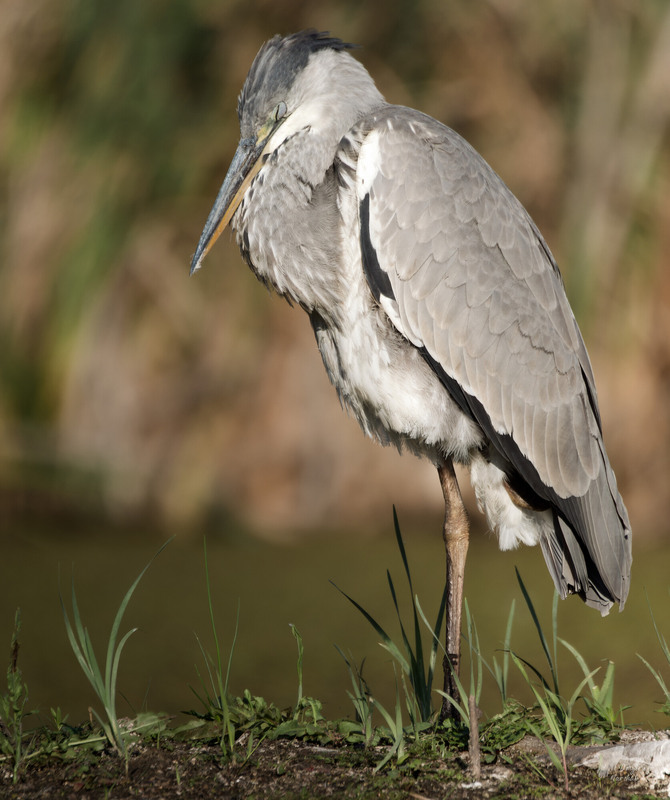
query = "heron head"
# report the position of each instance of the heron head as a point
(302, 81)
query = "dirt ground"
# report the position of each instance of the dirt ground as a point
(296, 769)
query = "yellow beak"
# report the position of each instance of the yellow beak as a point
(247, 161)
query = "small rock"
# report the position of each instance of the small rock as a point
(649, 762)
(500, 773)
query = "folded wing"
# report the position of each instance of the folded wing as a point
(463, 273)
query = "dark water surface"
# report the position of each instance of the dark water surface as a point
(280, 584)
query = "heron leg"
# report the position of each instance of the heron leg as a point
(456, 538)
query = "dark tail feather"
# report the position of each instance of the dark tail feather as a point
(589, 550)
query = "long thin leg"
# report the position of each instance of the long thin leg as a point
(456, 538)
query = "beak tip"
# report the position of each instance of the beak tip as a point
(198, 257)
(245, 165)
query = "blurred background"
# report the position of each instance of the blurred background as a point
(136, 402)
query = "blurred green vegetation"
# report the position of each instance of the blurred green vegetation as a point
(126, 388)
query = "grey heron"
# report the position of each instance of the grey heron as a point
(438, 309)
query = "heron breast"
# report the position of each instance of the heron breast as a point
(388, 387)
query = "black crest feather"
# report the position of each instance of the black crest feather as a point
(278, 62)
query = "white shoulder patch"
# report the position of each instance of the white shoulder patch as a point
(392, 311)
(369, 162)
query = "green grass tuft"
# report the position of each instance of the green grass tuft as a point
(104, 685)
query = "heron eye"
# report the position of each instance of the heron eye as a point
(280, 111)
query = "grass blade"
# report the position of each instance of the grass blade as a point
(540, 632)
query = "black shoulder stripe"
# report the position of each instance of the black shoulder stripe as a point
(379, 281)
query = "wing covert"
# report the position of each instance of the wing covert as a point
(468, 277)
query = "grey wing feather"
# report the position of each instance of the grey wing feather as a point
(474, 284)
